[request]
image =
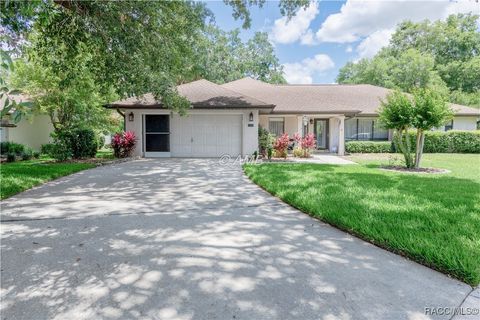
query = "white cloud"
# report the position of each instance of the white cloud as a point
(373, 43)
(308, 38)
(297, 28)
(302, 72)
(349, 49)
(359, 19)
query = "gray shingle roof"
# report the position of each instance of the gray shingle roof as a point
(362, 99)
(201, 94)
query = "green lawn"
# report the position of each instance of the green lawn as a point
(22, 175)
(433, 219)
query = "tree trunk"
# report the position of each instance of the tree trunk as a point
(419, 151)
(417, 146)
(407, 154)
(403, 144)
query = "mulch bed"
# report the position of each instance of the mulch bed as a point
(99, 161)
(413, 170)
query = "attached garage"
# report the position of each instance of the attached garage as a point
(206, 135)
(220, 122)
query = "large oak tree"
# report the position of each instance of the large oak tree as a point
(124, 48)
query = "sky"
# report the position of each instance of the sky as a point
(322, 38)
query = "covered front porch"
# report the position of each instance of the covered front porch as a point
(329, 129)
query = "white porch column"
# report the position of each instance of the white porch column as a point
(341, 135)
(300, 125)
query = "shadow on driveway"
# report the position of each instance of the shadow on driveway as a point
(189, 239)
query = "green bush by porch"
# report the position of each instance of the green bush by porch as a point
(453, 141)
(368, 146)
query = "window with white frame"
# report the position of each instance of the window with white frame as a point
(449, 125)
(276, 126)
(364, 129)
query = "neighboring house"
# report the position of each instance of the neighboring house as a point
(224, 119)
(32, 132)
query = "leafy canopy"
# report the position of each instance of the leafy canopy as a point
(77, 55)
(223, 57)
(427, 109)
(444, 55)
(396, 111)
(136, 47)
(431, 109)
(71, 96)
(241, 8)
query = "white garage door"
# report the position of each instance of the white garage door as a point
(206, 135)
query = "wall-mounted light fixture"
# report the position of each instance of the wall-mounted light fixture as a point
(311, 121)
(130, 116)
(250, 117)
(305, 120)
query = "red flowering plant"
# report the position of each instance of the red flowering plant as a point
(304, 145)
(123, 144)
(308, 144)
(281, 146)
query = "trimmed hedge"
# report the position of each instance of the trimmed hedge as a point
(368, 146)
(453, 141)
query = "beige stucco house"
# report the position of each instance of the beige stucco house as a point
(224, 119)
(32, 131)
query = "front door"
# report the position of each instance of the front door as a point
(321, 133)
(157, 135)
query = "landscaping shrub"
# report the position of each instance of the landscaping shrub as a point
(84, 143)
(281, 146)
(265, 140)
(100, 141)
(269, 152)
(75, 143)
(47, 149)
(305, 145)
(10, 157)
(123, 144)
(298, 152)
(36, 154)
(61, 151)
(453, 141)
(368, 146)
(7, 147)
(27, 154)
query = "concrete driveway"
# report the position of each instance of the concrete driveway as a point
(193, 239)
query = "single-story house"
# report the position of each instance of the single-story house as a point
(224, 119)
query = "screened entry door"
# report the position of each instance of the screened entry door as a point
(321, 133)
(157, 135)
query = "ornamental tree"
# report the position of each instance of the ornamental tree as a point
(431, 111)
(397, 113)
